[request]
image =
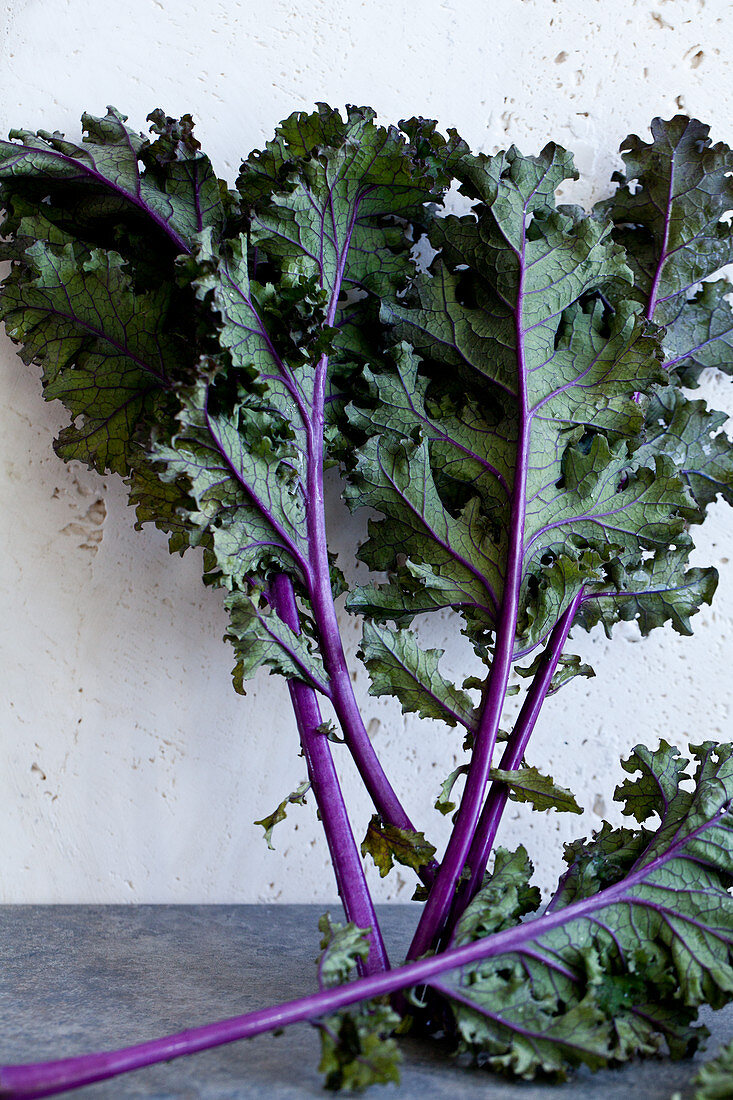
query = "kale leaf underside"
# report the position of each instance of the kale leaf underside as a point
(533, 390)
(93, 231)
(671, 212)
(637, 936)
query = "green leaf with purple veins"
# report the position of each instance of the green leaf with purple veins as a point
(521, 373)
(668, 214)
(637, 936)
(116, 173)
(105, 349)
(527, 784)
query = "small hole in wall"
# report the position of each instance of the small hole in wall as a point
(697, 59)
(562, 56)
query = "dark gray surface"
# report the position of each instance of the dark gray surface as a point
(80, 978)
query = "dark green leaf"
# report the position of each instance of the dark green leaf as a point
(357, 1046)
(690, 433)
(103, 178)
(668, 212)
(656, 590)
(260, 637)
(530, 785)
(504, 899)
(511, 332)
(248, 443)
(104, 349)
(657, 784)
(342, 945)
(351, 176)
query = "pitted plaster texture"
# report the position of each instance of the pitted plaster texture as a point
(129, 769)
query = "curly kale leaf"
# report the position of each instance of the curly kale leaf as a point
(92, 231)
(397, 666)
(690, 433)
(116, 181)
(210, 376)
(668, 214)
(651, 592)
(107, 351)
(527, 784)
(671, 213)
(251, 439)
(260, 637)
(505, 899)
(330, 197)
(507, 441)
(357, 1046)
(638, 935)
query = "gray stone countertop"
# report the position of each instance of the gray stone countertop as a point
(77, 978)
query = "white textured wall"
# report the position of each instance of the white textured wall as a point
(129, 770)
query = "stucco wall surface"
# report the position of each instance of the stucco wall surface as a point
(129, 769)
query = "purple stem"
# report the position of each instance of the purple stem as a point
(317, 569)
(30, 1082)
(344, 702)
(343, 699)
(440, 900)
(516, 746)
(663, 250)
(345, 858)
